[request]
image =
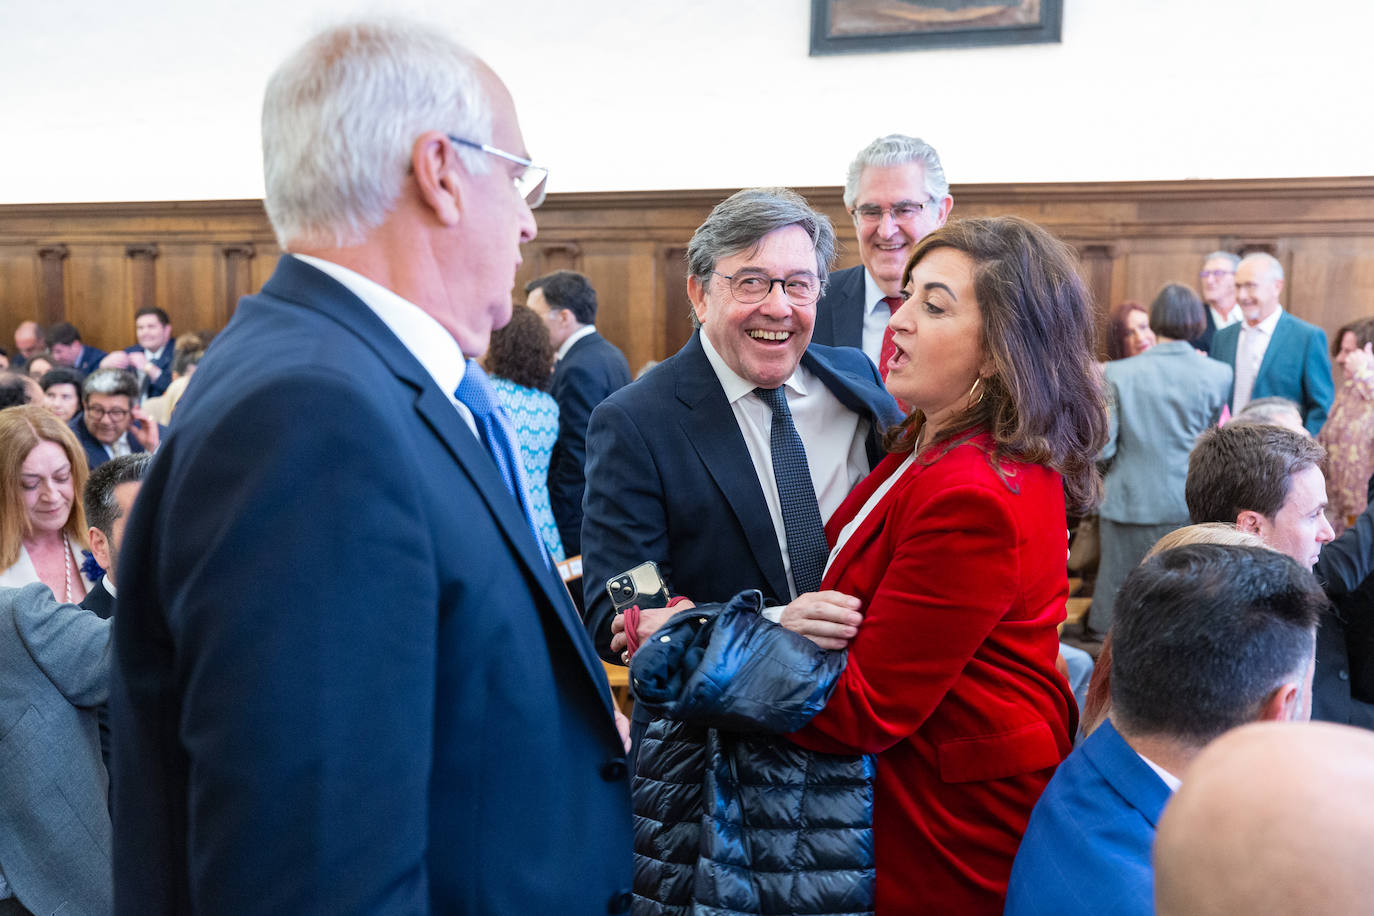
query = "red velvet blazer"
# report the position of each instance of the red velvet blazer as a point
(951, 680)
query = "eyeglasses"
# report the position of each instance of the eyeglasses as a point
(749, 287)
(1215, 274)
(117, 414)
(902, 212)
(531, 181)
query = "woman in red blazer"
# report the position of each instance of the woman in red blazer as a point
(956, 546)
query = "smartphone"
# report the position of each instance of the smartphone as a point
(642, 586)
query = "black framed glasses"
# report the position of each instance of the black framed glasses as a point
(1215, 274)
(750, 286)
(902, 211)
(532, 180)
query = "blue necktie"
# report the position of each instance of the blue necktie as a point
(801, 516)
(476, 393)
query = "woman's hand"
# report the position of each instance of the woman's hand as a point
(1357, 362)
(829, 619)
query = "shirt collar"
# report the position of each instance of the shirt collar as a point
(573, 338)
(426, 339)
(109, 586)
(736, 386)
(873, 294)
(1266, 327)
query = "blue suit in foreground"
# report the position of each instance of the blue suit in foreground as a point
(346, 679)
(1295, 366)
(1087, 848)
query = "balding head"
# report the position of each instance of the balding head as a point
(1274, 818)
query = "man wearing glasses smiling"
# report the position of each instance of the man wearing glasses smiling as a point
(897, 194)
(109, 424)
(348, 678)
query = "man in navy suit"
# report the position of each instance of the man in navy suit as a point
(679, 467)
(588, 369)
(897, 194)
(110, 424)
(64, 341)
(152, 356)
(1206, 638)
(348, 679)
(1273, 353)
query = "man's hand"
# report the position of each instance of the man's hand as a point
(829, 619)
(622, 725)
(650, 619)
(144, 429)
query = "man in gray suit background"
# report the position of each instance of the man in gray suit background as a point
(897, 194)
(54, 817)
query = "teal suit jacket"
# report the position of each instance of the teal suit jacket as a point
(1295, 366)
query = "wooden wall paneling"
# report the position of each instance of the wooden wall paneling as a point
(1330, 281)
(260, 268)
(628, 314)
(671, 292)
(234, 271)
(21, 282)
(1096, 266)
(51, 304)
(187, 288)
(100, 285)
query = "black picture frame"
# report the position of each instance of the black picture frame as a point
(859, 26)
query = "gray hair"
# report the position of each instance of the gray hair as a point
(111, 381)
(1268, 410)
(740, 221)
(1275, 271)
(102, 509)
(340, 118)
(1229, 256)
(897, 149)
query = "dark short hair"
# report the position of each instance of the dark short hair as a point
(1177, 313)
(64, 333)
(153, 310)
(1362, 328)
(1244, 467)
(522, 352)
(110, 381)
(1043, 403)
(102, 509)
(1204, 634)
(1117, 330)
(567, 289)
(13, 391)
(62, 375)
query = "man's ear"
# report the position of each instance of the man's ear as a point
(437, 171)
(1251, 521)
(100, 547)
(696, 293)
(1283, 704)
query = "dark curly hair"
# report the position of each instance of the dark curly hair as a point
(1043, 403)
(522, 352)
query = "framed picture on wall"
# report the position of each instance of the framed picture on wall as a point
(852, 26)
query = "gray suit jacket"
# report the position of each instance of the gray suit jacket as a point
(54, 819)
(1160, 402)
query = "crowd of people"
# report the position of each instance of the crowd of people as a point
(294, 636)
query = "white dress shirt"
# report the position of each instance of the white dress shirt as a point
(876, 317)
(573, 338)
(1226, 320)
(833, 435)
(426, 339)
(1250, 350)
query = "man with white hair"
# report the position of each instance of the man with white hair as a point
(1273, 353)
(348, 677)
(897, 194)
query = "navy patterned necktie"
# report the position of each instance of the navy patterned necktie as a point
(801, 515)
(476, 393)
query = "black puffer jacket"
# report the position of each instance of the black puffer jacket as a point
(730, 817)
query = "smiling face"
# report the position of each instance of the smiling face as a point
(1257, 290)
(938, 334)
(761, 342)
(63, 400)
(151, 333)
(46, 480)
(1218, 278)
(886, 245)
(107, 416)
(1139, 337)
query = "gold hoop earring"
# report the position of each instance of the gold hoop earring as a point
(976, 382)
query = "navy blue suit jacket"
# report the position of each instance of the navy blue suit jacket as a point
(840, 312)
(95, 451)
(1295, 366)
(670, 479)
(90, 359)
(158, 387)
(591, 369)
(1087, 847)
(346, 680)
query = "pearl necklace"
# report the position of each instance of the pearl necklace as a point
(67, 566)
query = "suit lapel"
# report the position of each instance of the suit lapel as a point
(851, 319)
(299, 283)
(864, 396)
(1277, 342)
(709, 424)
(1126, 772)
